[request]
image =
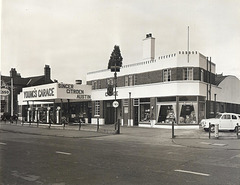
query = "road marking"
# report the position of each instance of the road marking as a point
(205, 143)
(235, 156)
(64, 153)
(3, 143)
(191, 172)
(218, 144)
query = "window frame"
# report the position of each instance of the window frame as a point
(188, 73)
(167, 75)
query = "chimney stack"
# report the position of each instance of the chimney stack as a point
(47, 73)
(148, 47)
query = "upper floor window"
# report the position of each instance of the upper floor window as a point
(188, 74)
(99, 84)
(110, 81)
(202, 75)
(94, 85)
(129, 80)
(167, 75)
(126, 80)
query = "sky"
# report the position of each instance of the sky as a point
(78, 36)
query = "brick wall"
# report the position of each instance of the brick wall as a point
(157, 76)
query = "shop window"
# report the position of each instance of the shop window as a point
(187, 114)
(145, 112)
(201, 111)
(166, 114)
(167, 75)
(188, 74)
(97, 108)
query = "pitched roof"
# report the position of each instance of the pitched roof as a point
(25, 82)
(219, 78)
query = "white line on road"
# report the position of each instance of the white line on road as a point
(64, 153)
(205, 143)
(3, 143)
(218, 144)
(195, 173)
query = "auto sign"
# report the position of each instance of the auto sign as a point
(4, 92)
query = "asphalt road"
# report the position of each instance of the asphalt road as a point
(34, 159)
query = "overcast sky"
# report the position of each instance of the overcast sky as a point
(77, 36)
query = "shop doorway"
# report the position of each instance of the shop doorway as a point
(109, 118)
(135, 121)
(125, 115)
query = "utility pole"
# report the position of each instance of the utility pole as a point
(12, 97)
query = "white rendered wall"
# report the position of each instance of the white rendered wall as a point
(228, 90)
(172, 60)
(179, 88)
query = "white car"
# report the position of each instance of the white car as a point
(226, 121)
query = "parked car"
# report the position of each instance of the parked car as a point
(226, 121)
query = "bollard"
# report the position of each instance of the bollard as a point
(209, 131)
(97, 124)
(80, 124)
(216, 131)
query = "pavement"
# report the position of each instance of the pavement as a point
(195, 138)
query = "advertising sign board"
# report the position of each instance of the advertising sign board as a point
(57, 91)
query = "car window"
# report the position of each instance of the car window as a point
(219, 116)
(234, 117)
(226, 116)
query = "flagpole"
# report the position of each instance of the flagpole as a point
(188, 44)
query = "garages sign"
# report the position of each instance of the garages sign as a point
(4, 92)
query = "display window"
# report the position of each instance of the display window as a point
(188, 113)
(166, 113)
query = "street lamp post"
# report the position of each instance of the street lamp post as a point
(115, 62)
(116, 68)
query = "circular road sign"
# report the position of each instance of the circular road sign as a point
(115, 104)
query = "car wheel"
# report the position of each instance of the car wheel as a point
(212, 129)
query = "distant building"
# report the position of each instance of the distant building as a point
(181, 87)
(19, 83)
